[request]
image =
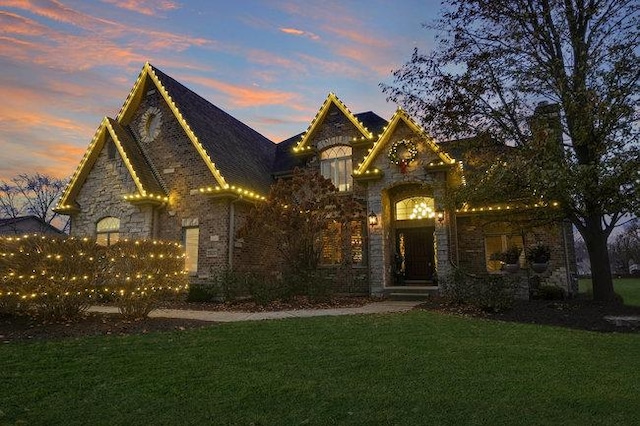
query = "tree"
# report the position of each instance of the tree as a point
(301, 215)
(32, 194)
(496, 61)
(625, 248)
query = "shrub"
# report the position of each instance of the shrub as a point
(489, 292)
(199, 293)
(551, 292)
(231, 285)
(53, 278)
(141, 273)
(265, 289)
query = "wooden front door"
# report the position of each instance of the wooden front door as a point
(416, 245)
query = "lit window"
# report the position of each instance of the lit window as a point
(496, 244)
(191, 238)
(108, 231)
(335, 164)
(415, 208)
(335, 243)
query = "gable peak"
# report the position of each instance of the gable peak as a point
(331, 100)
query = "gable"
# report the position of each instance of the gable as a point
(332, 108)
(400, 123)
(147, 185)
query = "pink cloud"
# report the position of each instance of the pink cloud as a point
(296, 32)
(243, 96)
(145, 7)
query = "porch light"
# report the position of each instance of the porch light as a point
(440, 216)
(373, 219)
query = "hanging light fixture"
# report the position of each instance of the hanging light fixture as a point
(373, 219)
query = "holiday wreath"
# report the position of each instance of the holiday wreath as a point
(407, 155)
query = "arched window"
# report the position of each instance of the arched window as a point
(415, 208)
(335, 164)
(108, 231)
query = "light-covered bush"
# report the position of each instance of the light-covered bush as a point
(53, 278)
(139, 274)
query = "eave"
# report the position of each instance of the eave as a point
(303, 145)
(399, 116)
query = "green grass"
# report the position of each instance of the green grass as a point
(628, 288)
(413, 368)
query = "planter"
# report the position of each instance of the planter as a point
(539, 268)
(511, 268)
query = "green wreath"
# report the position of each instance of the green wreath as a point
(409, 147)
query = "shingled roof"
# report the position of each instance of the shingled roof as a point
(286, 160)
(243, 156)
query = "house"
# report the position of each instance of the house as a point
(173, 166)
(27, 225)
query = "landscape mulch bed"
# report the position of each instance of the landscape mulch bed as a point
(578, 313)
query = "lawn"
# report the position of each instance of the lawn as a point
(414, 368)
(628, 288)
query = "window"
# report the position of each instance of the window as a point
(494, 244)
(191, 238)
(415, 208)
(335, 164)
(108, 231)
(335, 243)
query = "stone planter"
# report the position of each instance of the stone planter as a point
(511, 268)
(539, 268)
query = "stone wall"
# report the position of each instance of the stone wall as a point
(471, 232)
(102, 195)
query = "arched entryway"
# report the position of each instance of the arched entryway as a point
(413, 237)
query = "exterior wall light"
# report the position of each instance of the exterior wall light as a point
(440, 216)
(373, 219)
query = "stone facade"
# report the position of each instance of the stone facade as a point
(455, 239)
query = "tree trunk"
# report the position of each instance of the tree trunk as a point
(596, 240)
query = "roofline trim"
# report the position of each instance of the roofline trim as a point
(303, 146)
(400, 115)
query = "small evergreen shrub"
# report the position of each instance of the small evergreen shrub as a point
(199, 293)
(551, 292)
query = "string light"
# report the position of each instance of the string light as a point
(303, 145)
(59, 277)
(398, 116)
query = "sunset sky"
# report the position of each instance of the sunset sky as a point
(65, 64)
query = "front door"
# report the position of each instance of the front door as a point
(415, 247)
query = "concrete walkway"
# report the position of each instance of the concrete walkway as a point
(224, 316)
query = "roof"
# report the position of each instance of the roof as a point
(242, 155)
(286, 160)
(11, 222)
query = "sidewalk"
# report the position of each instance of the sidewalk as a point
(225, 316)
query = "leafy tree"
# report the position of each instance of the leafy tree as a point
(496, 61)
(32, 194)
(300, 216)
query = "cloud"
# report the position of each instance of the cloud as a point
(296, 32)
(99, 41)
(244, 96)
(145, 7)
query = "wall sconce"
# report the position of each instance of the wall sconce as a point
(440, 217)
(373, 219)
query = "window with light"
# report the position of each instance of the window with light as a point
(415, 208)
(496, 244)
(190, 239)
(108, 231)
(336, 165)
